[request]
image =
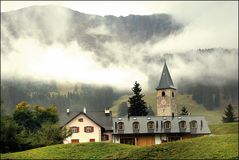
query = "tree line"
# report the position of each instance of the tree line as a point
(30, 126)
(93, 97)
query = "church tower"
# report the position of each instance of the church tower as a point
(166, 93)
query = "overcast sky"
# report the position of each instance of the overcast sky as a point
(207, 25)
(210, 18)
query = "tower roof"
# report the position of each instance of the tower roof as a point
(166, 80)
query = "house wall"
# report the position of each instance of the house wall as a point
(81, 135)
(110, 136)
(145, 140)
(116, 139)
(157, 139)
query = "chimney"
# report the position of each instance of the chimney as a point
(128, 116)
(68, 111)
(107, 111)
(84, 110)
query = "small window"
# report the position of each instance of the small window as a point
(193, 124)
(120, 125)
(89, 129)
(167, 125)
(182, 124)
(74, 129)
(92, 140)
(80, 119)
(150, 125)
(105, 137)
(163, 94)
(136, 125)
(172, 94)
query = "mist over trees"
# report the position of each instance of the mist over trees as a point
(211, 77)
(42, 93)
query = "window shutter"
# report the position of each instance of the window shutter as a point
(78, 129)
(85, 129)
(92, 129)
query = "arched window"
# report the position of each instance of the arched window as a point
(150, 125)
(193, 124)
(172, 94)
(120, 126)
(163, 94)
(182, 125)
(136, 126)
(167, 125)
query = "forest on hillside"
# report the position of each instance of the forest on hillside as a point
(95, 98)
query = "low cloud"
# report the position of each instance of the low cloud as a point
(53, 51)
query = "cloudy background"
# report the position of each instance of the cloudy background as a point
(112, 53)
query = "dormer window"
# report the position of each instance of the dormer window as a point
(150, 125)
(120, 126)
(136, 125)
(163, 94)
(182, 124)
(167, 125)
(193, 124)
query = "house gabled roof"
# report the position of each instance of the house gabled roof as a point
(166, 81)
(98, 118)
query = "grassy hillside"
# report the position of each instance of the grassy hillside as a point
(226, 128)
(198, 148)
(222, 144)
(213, 117)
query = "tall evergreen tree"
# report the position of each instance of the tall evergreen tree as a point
(229, 115)
(184, 111)
(137, 104)
(150, 111)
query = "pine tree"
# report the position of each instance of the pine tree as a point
(137, 104)
(184, 111)
(150, 111)
(229, 114)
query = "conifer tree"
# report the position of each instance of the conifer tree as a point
(229, 115)
(137, 104)
(184, 111)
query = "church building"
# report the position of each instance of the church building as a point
(166, 126)
(138, 130)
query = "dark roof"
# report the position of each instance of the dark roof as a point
(100, 118)
(202, 126)
(166, 80)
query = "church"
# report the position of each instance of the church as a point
(137, 130)
(165, 127)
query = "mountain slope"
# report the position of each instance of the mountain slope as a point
(212, 116)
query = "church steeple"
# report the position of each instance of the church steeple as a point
(166, 81)
(166, 93)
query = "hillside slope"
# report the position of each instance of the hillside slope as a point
(206, 147)
(212, 116)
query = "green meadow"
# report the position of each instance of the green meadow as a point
(221, 144)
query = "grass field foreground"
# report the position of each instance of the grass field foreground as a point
(221, 144)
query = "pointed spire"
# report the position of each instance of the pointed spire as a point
(166, 80)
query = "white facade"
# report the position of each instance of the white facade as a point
(83, 121)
